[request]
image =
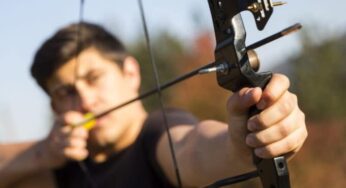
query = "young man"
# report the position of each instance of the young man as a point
(84, 69)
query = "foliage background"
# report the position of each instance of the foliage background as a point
(317, 74)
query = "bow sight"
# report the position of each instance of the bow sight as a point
(236, 66)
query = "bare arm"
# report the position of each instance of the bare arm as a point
(213, 150)
(202, 155)
(30, 164)
(19, 161)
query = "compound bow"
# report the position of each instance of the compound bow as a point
(236, 66)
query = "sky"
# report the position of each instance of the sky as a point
(24, 108)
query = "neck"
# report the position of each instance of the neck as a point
(134, 128)
(129, 136)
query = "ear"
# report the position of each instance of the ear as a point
(131, 72)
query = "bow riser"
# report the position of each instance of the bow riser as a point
(235, 69)
(230, 49)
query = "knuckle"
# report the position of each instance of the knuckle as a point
(284, 129)
(67, 118)
(69, 142)
(76, 131)
(286, 107)
(265, 152)
(81, 155)
(302, 116)
(270, 95)
(67, 152)
(75, 154)
(254, 140)
(81, 133)
(73, 143)
(65, 130)
(305, 134)
(290, 144)
(283, 79)
(80, 143)
(301, 123)
(260, 120)
(268, 152)
(295, 97)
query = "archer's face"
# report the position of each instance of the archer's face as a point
(92, 83)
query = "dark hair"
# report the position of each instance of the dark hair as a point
(67, 43)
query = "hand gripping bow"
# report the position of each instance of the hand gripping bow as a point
(236, 66)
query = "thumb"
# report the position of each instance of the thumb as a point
(238, 114)
(240, 102)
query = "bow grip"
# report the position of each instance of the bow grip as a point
(273, 172)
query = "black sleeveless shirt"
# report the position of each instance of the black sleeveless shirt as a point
(134, 167)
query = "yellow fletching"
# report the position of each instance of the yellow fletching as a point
(90, 124)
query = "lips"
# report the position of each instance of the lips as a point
(100, 121)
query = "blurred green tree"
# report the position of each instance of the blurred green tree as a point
(167, 51)
(319, 76)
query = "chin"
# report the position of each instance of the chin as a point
(103, 136)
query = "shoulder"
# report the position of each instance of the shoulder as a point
(154, 134)
(157, 123)
(171, 117)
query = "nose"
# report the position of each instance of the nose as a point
(86, 97)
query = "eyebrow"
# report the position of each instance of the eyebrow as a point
(78, 77)
(88, 73)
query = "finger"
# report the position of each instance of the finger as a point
(70, 133)
(76, 154)
(58, 136)
(66, 130)
(79, 132)
(77, 143)
(239, 103)
(274, 133)
(72, 118)
(291, 143)
(275, 113)
(274, 89)
(291, 154)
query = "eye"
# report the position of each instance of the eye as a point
(93, 77)
(64, 92)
